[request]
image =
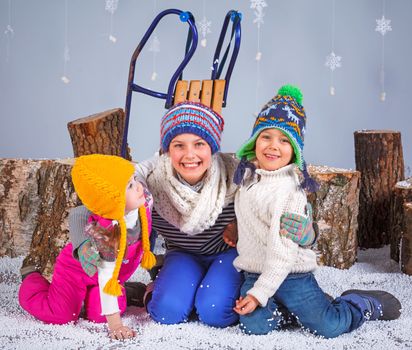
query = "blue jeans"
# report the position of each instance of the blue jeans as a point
(302, 296)
(208, 284)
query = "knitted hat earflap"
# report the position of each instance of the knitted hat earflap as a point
(241, 170)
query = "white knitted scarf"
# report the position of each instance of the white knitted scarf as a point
(190, 211)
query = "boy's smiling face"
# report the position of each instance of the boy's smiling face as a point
(273, 150)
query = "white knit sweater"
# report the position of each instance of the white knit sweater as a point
(259, 204)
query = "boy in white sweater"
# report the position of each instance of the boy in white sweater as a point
(278, 272)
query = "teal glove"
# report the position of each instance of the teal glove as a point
(299, 228)
(89, 257)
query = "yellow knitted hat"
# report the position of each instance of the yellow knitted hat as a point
(100, 182)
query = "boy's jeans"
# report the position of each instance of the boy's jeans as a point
(302, 296)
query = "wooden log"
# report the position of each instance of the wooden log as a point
(379, 158)
(335, 209)
(35, 199)
(98, 133)
(402, 195)
(405, 259)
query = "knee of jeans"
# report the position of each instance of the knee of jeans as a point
(216, 314)
(259, 326)
(169, 309)
(326, 330)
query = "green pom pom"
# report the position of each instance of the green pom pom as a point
(292, 91)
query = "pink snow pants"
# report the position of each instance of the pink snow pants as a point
(61, 300)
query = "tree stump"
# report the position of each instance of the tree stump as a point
(99, 133)
(379, 158)
(335, 209)
(35, 199)
(405, 259)
(402, 194)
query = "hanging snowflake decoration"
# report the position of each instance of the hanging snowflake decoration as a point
(383, 25)
(258, 6)
(111, 6)
(204, 28)
(333, 61)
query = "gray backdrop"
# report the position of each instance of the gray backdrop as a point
(35, 105)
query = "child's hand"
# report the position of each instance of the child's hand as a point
(89, 258)
(121, 333)
(230, 234)
(299, 228)
(246, 305)
(116, 328)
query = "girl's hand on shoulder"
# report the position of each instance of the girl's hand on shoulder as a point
(246, 305)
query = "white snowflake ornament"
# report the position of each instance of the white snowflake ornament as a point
(333, 61)
(258, 4)
(154, 76)
(111, 6)
(383, 25)
(112, 38)
(258, 56)
(65, 79)
(204, 29)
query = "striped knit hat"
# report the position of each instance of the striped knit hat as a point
(285, 113)
(193, 118)
(100, 182)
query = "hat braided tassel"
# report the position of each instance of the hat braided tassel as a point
(148, 259)
(113, 287)
(308, 182)
(241, 170)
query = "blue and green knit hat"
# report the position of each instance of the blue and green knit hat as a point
(285, 113)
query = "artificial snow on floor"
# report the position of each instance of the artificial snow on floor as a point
(373, 270)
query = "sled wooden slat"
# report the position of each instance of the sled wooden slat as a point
(181, 91)
(206, 93)
(218, 92)
(194, 91)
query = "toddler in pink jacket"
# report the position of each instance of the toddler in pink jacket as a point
(118, 231)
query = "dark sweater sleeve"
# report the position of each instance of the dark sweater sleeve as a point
(77, 222)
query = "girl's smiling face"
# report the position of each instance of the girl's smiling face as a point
(191, 157)
(273, 150)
